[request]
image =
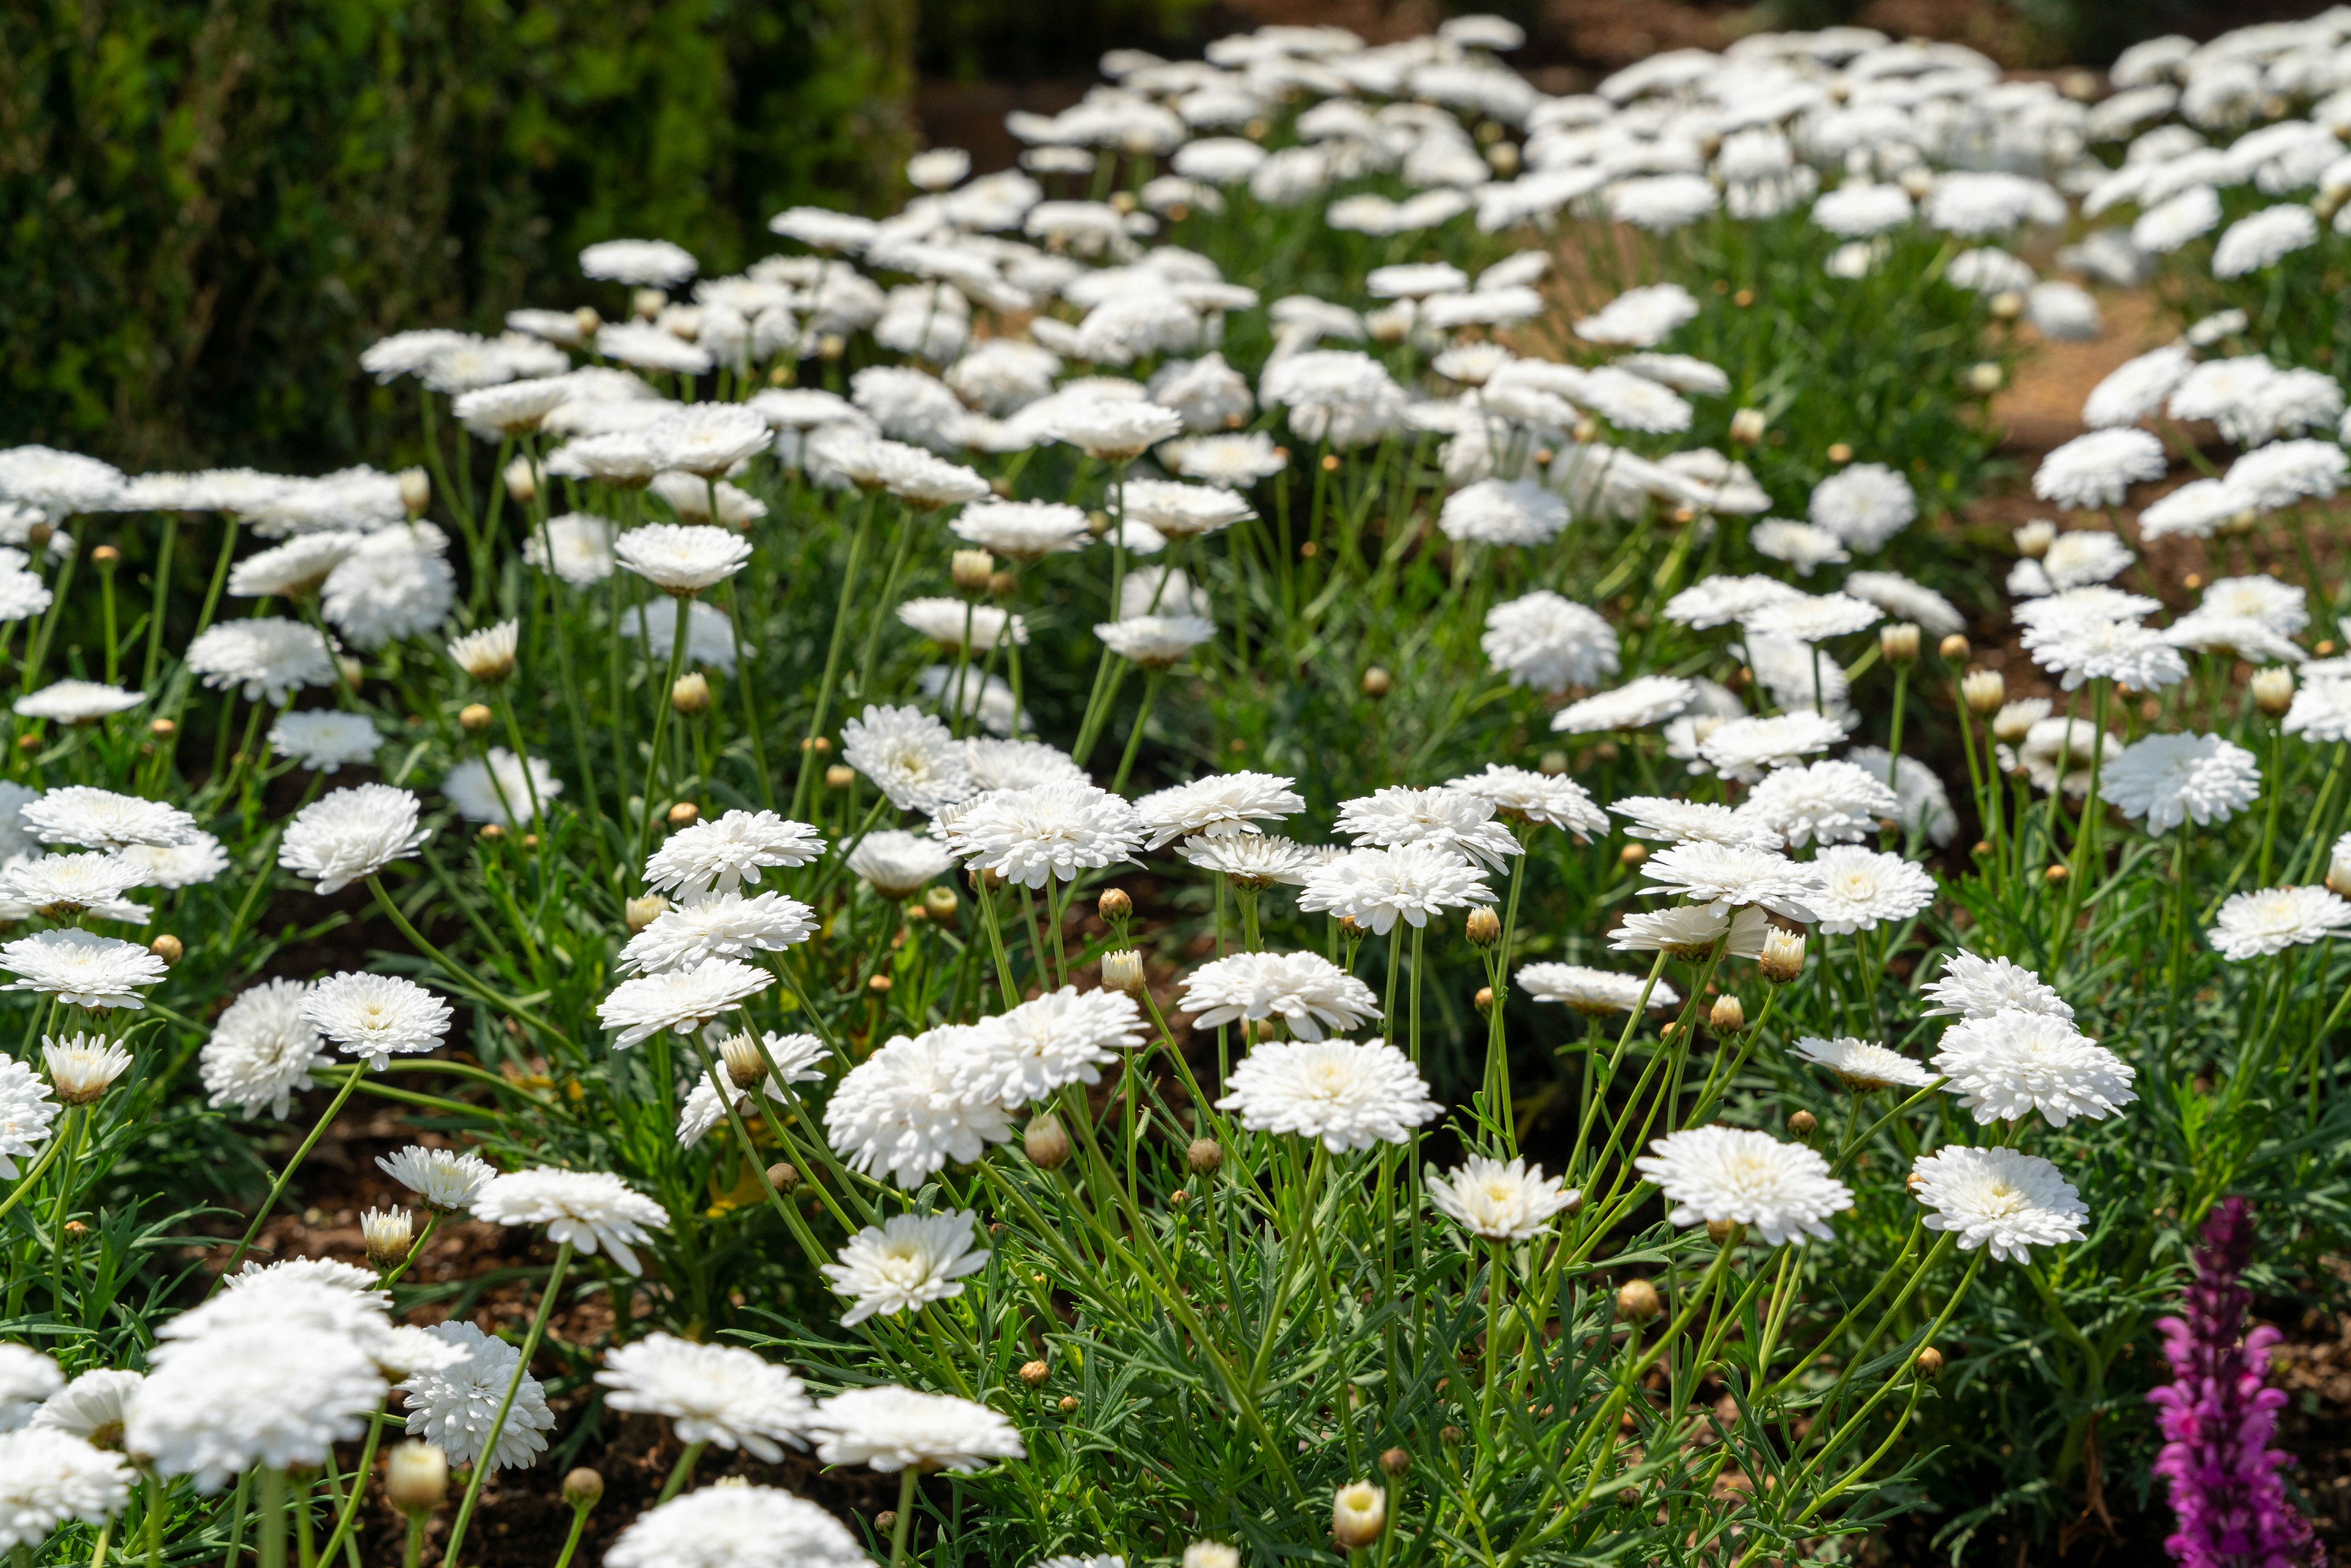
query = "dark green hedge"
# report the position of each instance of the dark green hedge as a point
(209, 208)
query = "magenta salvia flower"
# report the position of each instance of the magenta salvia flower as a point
(2218, 1416)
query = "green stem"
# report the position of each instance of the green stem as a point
(483, 1463)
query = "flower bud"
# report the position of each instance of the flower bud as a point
(941, 902)
(1211, 1554)
(415, 490)
(1451, 1436)
(1122, 971)
(1396, 1461)
(2274, 690)
(583, 1488)
(1046, 1142)
(1359, 1511)
(1114, 906)
(1727, 1015)
(1554, 764)
(740, 1054)
(1747, 426)
(1840, 453)
(2034, 539)
(886, 1521)
(647, 302)
(1632, 854)
(1636, 1302)
(684, 814)
(2007, 305)
(474, 717)
(1376, 680)
(351, 670)
(641, 913)
(586, 321)
(388, 1233)
(522, 482)
(690, 693)
(1483, 1000)
(1954, 649)
(416, 1478)
(106, 557)
(2014, 721)
(839, 776)
(1803, 1123)
(1483, 927)
(1784, 956)
(162, 728)
(1984, 691)
(168, 947)
(1002, 584)
(1034, 1372)
(783, 1175)
(971, 570)
(1204, 1155)
(1899, 643)
(1719, 1231)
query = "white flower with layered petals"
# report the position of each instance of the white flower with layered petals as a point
(1548, 643)
(718, 1394)
(1863, 1065)
(376, 1017)
(906, 1263)
(898, 864)
(81, 968)
(1594, 993)
(682, 559)
(1693, 931)
(1864, 505)
(1521, 794)
(1828, 802)
(2168, 780)
(1726, 877)
(1021, 1057)
(1375, 887)
(256, 1394)
(1449, 819)
(1745, 748)
(1640, 703)
(351, 835)
(590, 1210)
(501, 787)
(2100, 468)
(2272, 919)
(49, 1477)
(899, 1110)
(77, 702)
(718, 925)
(1306, 991)
(908, 755)
(2001, 1199)
(1048, 831)
(1974, 987)
(324, 739)
(891, 1428)
(721, 855)
(1347, 1094)
(444, 1179)
(454, 1407)
(265, 658)
(102, 819)
(28, 1111)
(2011, 1064)
(1486, 1197)
(680, 1000)
(1859, 889)
(728, 1526)
(1719, 1174)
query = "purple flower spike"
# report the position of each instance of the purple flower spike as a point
(2218, 1417)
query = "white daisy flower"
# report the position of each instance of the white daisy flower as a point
(590, 1210)
(1827, 802)
(718, 1394)
(2006, 1066)
(1693, 931)
(1306, 991)
(1028, 836)
(734, 1527)
(1523, 795)
(501, 787)
(721, 855)
(1863, 1065)
(324, 740)
(102, 819)
(1375, 887)
(890, 1429)
(718, 925)
(445, 1180)
(1448, 818)
(680, 1000)
(1859, 889)
(454, 1407)
(265, 658)
(1254, 861)
(1719, 1174)
(1513, 1202)
(1595, 993)
(1745, 748)
(2000, 1199)
(1548, 643)
(898, 864)
(351, 835)
(682, 559)
(899, 1110)
(1349, 1095)
(1640, 703)
(1674, 821)
(49, 1477)
(2168, 780)
(1974, 987)
(2257, 924)
(28, 1110)
(81, 968)
(1021, 1057)
(376, 1017)
(1725, 877)
(905, 1263)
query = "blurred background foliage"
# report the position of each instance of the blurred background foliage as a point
(209, 207)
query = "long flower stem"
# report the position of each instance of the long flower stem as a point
(277, 1187)
(484, 1464)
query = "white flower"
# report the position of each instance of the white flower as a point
(300, 566)
(1305, 990)
(2136, 388)
(681, 1001)
(496, 788)
(1718, 601)
(1252, 860)
(1549, 642)
(262, 1050)
(274, 1394)
(1859, 889)
(1182, 511)
(1374, 887)
(1727, 876)
(2173, 222)
(2277, 475)
(2087, 650)
(94, 1407)
(1674, 821)
(1519, 794)
(1830, 802)
(1595, 993)
(265, 658)
(351, 834)
(1814, 618)
(80, 968)
(1156, 642)
(324, 740)
(742, 1066)
(101, 819)
(1448, 818)
(714, 1393)
(647, 263)
(27, 1111)
(718, 925)
(1692, 931)
(1335, 395)
(1229, 461)
(445, 1180)
(1347, 1094)
(1865, 506)
(1925, 805)
(487, 655)
(588, 1210)
(704, 440)
(27, 1378)
(1637, 703)
(1028, 836)
(454, 1407)
(49, 1476)
(394, 585)
(900, 1111)
(988, 700)
(1859, 208)
(580, 546)
(1863, 1065)
(1719, 1174)
(374, 1017)
(83, 1067)
(1801, 545)
(1021, 1056)
(898, 864)
(1117, 432)
(911, 756)
(2172, 779)
(682, 559)
(735, 1527)
(1975, 988)
(958, 623)
(1025, 531)
(905, 1263)
(1501, 1202)
(1503, 512)
(58, 483)
(891, 1428)
(2009, 1201)
(723, 854)
(1743, 748)
(64, 886)
(2270, 920)
(2321, 710)
(2011, 1064)
(2100, 468)
(77, 702)
(1639, 317)
(2262, 238)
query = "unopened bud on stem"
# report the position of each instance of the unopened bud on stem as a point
(416, 1478)
(1899, 643)
(1636, 1301)
(1984, 691)
(1784, 956)
(2274, 690)
(1046, 1142)
(1122, 971)
(1729, 1015)
(1359, 1511)
(1483, 927)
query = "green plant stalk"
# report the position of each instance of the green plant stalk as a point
(570, 1539)
(901, 1527)
(277, 1187)
(497, 1422)
(833, 654)
(679, 1471)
